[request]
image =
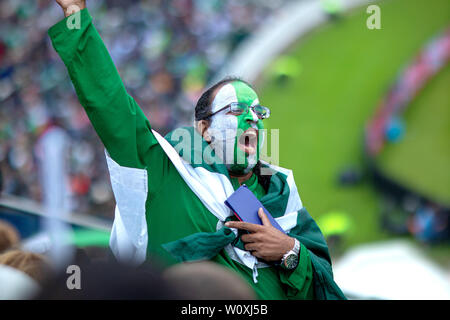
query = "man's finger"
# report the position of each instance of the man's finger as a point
(243, 226)
(251, 246)
(262, 215)
(247, 238)
(256, 254)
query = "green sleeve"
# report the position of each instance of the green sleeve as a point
(116, 117)
(321, 283)
(298, 282)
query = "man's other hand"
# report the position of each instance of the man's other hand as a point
(264, 241)
(71, 6)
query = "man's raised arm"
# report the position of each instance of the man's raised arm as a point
(116, 117)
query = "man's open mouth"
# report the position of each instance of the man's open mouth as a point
(248, 141)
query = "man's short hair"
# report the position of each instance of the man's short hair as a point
(203, 107)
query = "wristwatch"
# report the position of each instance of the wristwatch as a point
(290, 259)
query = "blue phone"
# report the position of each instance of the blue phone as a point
(245, 206)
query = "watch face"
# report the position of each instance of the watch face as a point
(291, 261)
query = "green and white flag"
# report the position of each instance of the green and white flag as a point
(211, 184)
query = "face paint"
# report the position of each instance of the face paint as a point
(222, 121)
(227, 131)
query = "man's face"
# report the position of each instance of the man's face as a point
(236, 138)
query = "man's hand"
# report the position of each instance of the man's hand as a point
(71, 6)
(264, 241)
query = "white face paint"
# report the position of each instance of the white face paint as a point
(225, 96)
(223, 128)
(222, 121)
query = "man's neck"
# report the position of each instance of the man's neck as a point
(242, 178)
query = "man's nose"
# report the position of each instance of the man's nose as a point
(251, 116)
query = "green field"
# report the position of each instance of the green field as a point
(343, 70)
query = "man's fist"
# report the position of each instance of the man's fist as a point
(71, 6)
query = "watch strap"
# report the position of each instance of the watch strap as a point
(295, 250)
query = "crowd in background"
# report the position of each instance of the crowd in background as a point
(165, 51)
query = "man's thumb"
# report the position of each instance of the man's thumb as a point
(262, 215)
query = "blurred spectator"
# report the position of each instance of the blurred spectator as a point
(208, 281)
(9, 236)
(34, 265)
(429, 224)
(16, 285)
(333, 8)
(166, 52)
(350, 176)
(110, 280)
(94, 254)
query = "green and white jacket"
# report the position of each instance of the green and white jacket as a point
(171, 210)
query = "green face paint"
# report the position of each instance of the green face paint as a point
(243, 161)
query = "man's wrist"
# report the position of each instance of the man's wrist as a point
(290, 244)
(296, 247)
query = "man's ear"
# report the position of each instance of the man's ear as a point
(202, 128)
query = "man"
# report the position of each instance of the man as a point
(170, 206)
